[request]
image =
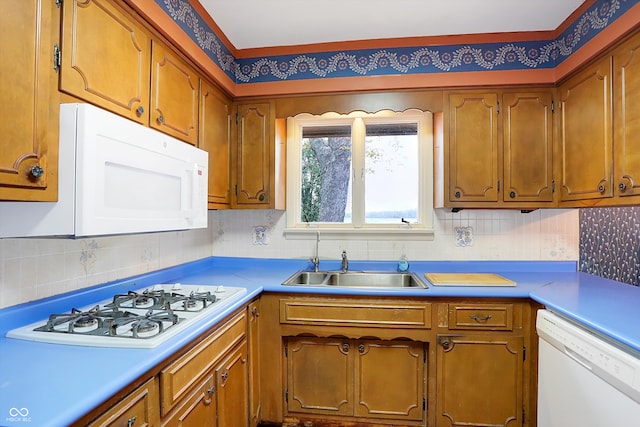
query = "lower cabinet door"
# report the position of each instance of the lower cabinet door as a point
(319, 376)
(197, 410)
(390, 380)
(139, 408)
(232, 386)
(479, 380)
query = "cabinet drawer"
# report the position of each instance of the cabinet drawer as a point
(139, 408)
(494, 317)
(180, 377)
(373, 314)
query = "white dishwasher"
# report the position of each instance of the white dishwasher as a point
(583, 380)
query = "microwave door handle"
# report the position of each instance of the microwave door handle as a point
(195, 191)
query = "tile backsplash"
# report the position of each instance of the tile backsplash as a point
(610, 243)
(545, 234)
(32, 268)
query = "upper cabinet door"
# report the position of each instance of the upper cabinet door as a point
(29, 125)
(586, 134)
(174, 95)
(626, 63)
(255, 136)
(528, 147)
(473, 150)
(105, 58)
(215, 138)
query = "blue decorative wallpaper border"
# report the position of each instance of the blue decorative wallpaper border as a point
(397, 61)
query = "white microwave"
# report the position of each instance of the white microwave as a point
(115, 176)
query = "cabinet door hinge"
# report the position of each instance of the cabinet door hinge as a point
(424, 403)
(553, 107)
(523, 414)
(286, 395)
(524, 353)
(58, 3)
(553, 185)
(498, 107)
(424, 355)
(498, 186)
(57, 58)
(286, 350)
(236, 118)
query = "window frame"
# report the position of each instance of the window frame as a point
(422, 230)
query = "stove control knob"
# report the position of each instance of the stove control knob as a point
(220, 289)
(176, 286)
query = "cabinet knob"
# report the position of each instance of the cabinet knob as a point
(361, 348)
(622, 186)
(140, 110)
(36, 171)
(345, 347)
(255, 312)
(457, 194)
(446, 344)
(601, 188)
(512, 194)
(261, 197)
(131, 421)
(225, 376)
(160, 119)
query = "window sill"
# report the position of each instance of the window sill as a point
(326, 233)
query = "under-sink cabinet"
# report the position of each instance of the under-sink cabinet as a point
(398, 361)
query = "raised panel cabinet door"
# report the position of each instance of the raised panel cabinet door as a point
(232, 388)
(255, 124)
(586, 134)
(197, 410)
(527, 147)
(174, 95)
(254, 363)
(319, 376)
(215, 139)
(472, 153)
(390, 382)
(106, 58)
(626, 92)
(29, 111)
(139, 408)
(479, 380)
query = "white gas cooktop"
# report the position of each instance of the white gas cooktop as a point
(144, 318)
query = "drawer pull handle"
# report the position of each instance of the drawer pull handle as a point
(131, 421)
(481, 319)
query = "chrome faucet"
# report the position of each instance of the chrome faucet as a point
(345, 262)
(316, 259)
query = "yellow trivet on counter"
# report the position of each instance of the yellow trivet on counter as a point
(468, 279)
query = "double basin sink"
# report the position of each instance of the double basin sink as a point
(356, 279)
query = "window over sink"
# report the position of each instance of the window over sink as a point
(366, 174)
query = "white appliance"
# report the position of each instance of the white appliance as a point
(143, 318)
(115, 176)
(584, 380)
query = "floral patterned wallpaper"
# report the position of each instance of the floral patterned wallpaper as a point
(610, 243)
(408, 60)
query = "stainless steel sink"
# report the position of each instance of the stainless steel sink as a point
(356, 279)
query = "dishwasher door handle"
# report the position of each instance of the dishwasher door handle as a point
(576, 357)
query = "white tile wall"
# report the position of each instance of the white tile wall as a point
(37, 268)
(548, 234)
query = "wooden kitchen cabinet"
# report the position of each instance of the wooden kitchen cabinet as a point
(586, 135)
(253, 342)
(232, 385)
(338, 377)
(215, 138)
(175, 88)
(498, 150)
(106, 58)
(626, 101)
(197, 410)
(479, 380)
(258, 163)
(139, 408)
(29, 125)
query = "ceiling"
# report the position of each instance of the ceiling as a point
(260, 23)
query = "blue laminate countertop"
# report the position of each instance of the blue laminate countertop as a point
(57, 384)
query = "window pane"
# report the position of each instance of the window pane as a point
(391, 174)
(326, 174)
